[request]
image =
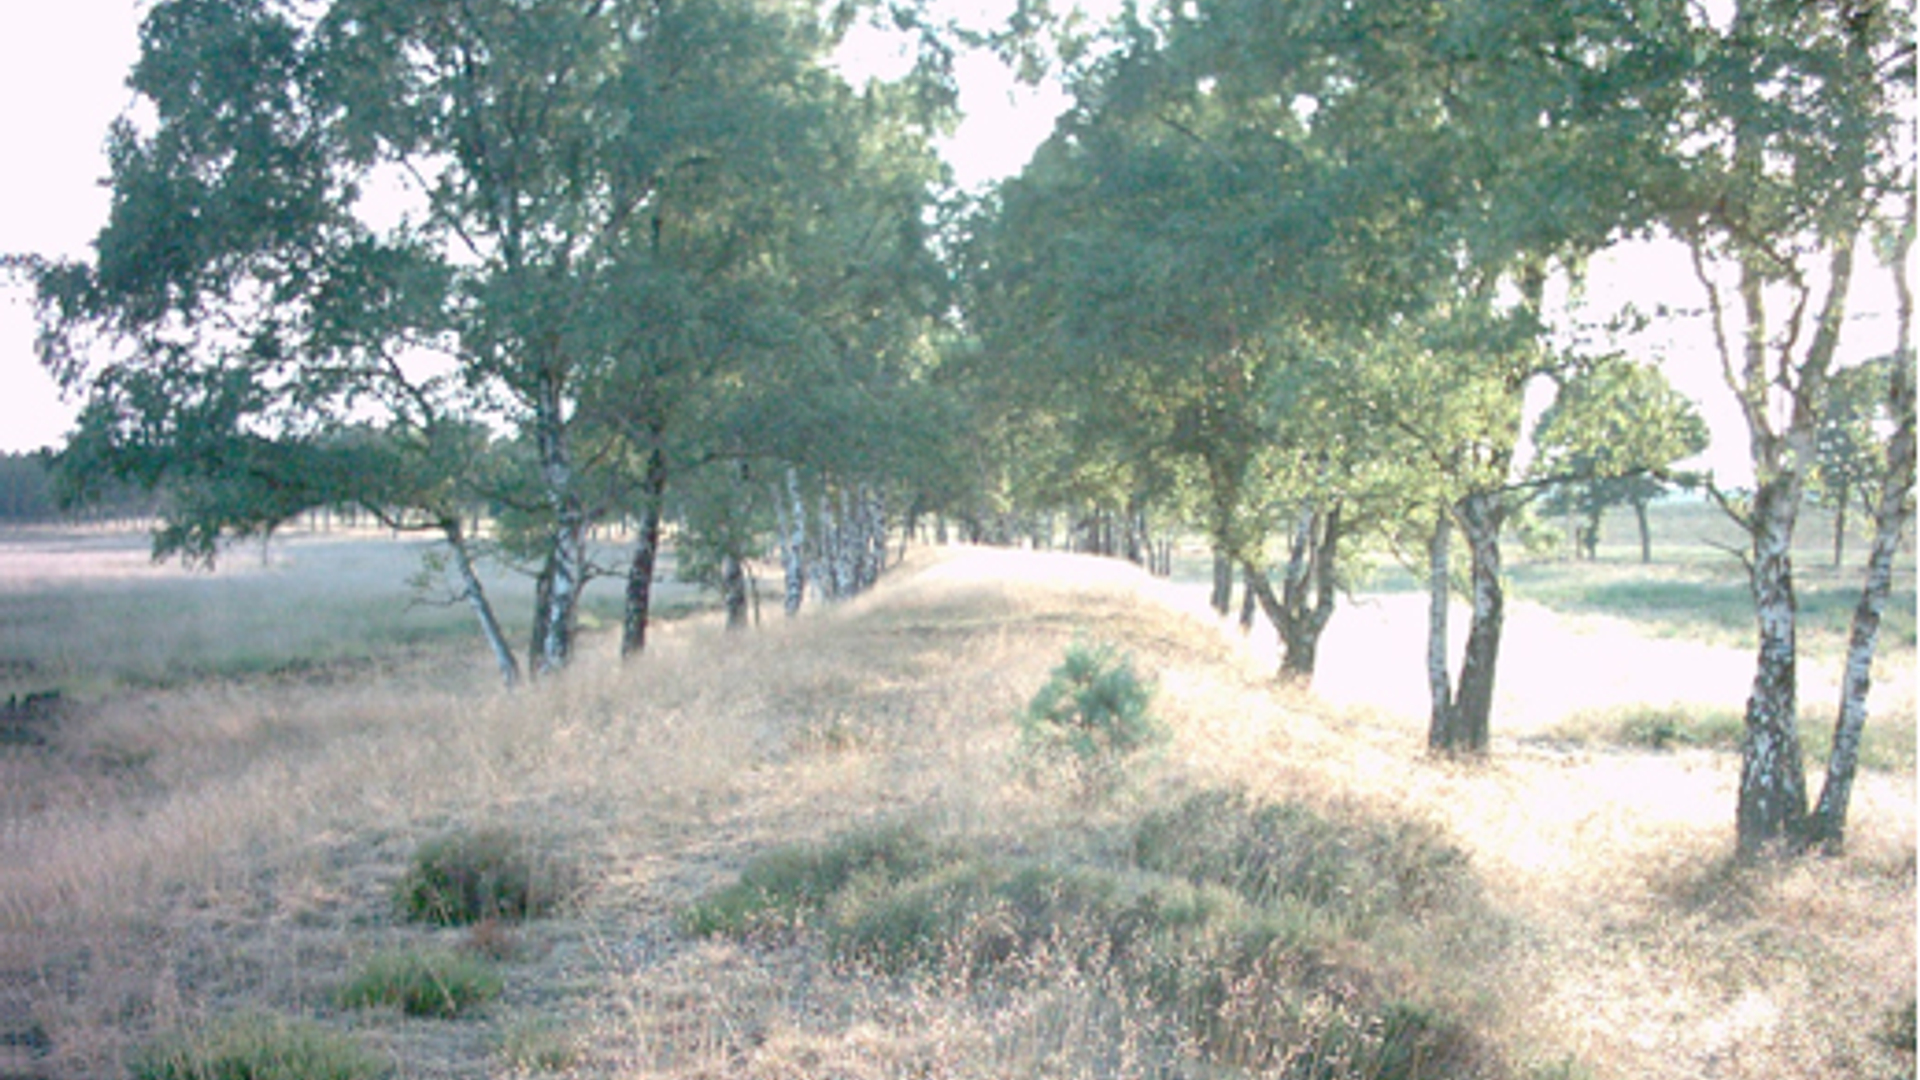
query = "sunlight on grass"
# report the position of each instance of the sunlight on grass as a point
(203, 848)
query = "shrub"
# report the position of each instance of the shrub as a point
(977, 915)
(258, 1047)
(539, 1046)
(1093, 713)
(471, 877)
(786, 885)
(1897, 1026)
(1286, 852)
(438, 984)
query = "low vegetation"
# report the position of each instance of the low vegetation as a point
(484, 875)
(259, 1047)
(442, 984)
(662, 869)
(1093, 715)
(1244, 931)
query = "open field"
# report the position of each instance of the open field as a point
(190, 848)
(91, 613)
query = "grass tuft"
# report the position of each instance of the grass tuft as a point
(258, 1047)
(539, 1045)
(489, 874)
(438, 984)
(1224, 922)
(786, 886)
(1275, 852)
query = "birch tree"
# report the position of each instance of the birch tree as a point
(585, 209)
(1786, 149)
(1893, 506)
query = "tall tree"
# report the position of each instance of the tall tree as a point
(594, 202)
(1827, 826)
(1784, 148)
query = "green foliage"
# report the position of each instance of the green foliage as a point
(467, 877)
(442, 984)
(1612, 436)
(786, 886)
(1226, 919)
(1091, 716)
(1275, 853)
(1897, 1027)
(258, 1047)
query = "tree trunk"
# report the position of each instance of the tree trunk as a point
(1646, 534)
(1222, 596)
(1481, 516)
(1440, 723)
(793, 541)
(1773, 792)
(542, 611)
(476, 597)
(1840, 527)
(569, 530)
(1827, 828)
(638, 609)
(1248, 601)
(1300, 614)
(733, 586)
(820, 566)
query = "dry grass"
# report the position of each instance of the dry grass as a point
(190, 852)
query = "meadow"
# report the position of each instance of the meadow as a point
(815, 849)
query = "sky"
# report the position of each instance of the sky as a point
(63, 68)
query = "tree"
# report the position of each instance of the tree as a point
(1783, 148)
(599, 201)
(1827, 826)
(1612, 435)
(1850, 461)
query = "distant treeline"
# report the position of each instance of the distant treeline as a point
(28, 494)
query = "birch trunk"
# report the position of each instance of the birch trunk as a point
(1301, 611)
(1481, 516)
(1646, 534)
(1828, 826)
(569, 530)
(475, 595)
(1773, 790)
(1440, 723)
(793, 541)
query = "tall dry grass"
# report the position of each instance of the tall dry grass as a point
(189, 852)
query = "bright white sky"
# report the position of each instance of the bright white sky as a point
(62, 81)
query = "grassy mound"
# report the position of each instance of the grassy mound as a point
(1244, 926)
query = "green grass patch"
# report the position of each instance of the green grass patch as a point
(1707, 604)
(1276, 853)
(442, 984)
(787, 886)
(1887, 745)
(487, 874)
(1223, 914)
(258, 1047)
